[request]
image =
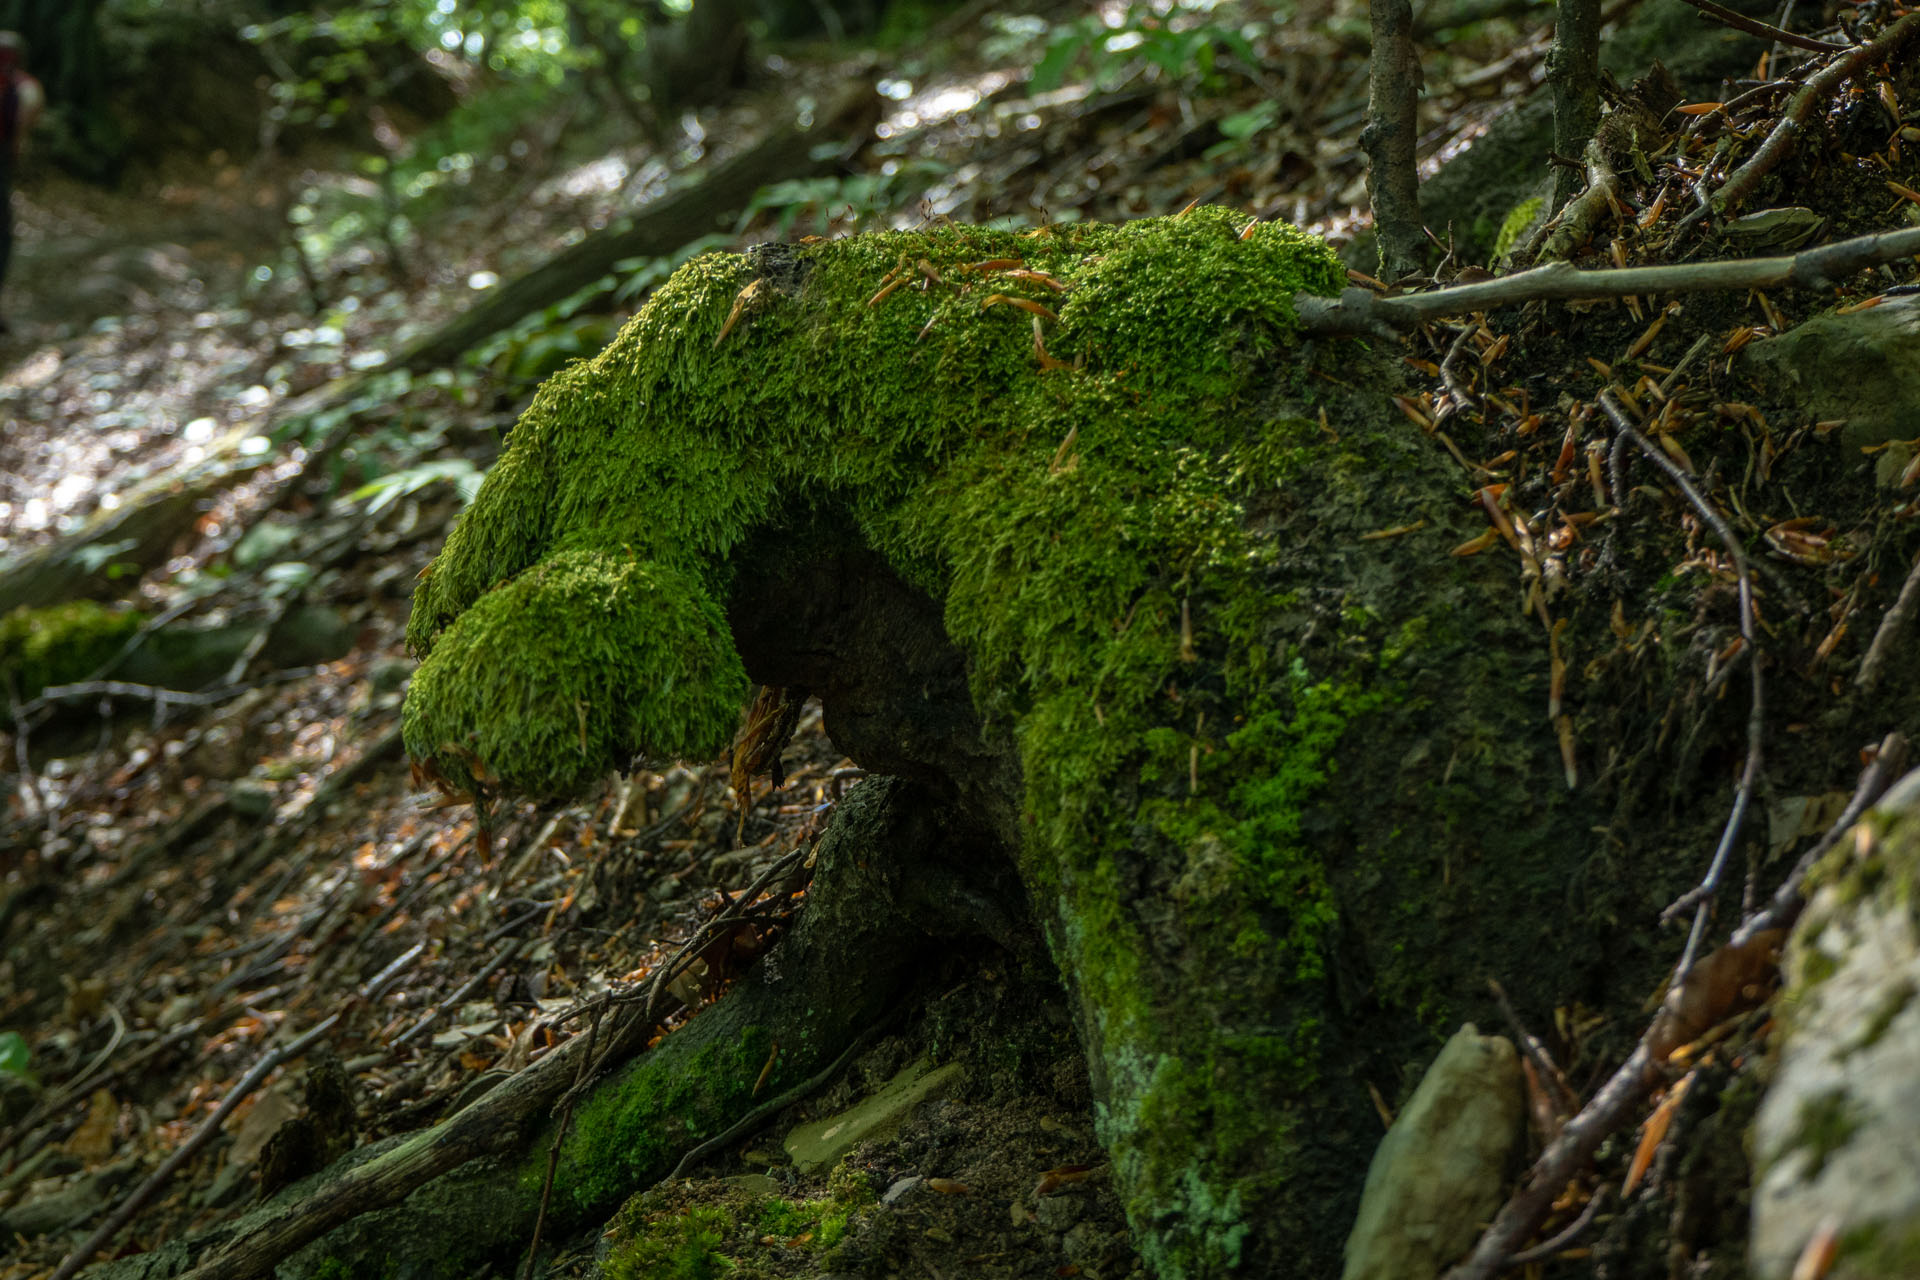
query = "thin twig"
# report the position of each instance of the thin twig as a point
(1892, 627)
(1573, 1231)
(55, 693)
(185, 1151)
(1701, 896)
(1536, 1052)
(1765, 30)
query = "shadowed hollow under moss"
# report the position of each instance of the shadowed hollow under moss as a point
(1150, 554)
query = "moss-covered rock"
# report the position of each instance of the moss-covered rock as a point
(60, 643)
(1275, 752)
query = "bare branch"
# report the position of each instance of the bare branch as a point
(1766, 31)
(1786, 134)
(1358, 311)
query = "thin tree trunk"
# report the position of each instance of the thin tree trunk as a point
(1573, 67)
(1393, 180)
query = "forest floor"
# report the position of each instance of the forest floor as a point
(189, 885)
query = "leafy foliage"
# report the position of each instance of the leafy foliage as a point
(1183, 45)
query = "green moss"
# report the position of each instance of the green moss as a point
(61, 643)
(541, 682)
(1516, 224)
(1102, 535)
(822, 1222)
(630, 1133)
(651, 1239)
(1893, 1003)
(666, 451)
(683, 1245)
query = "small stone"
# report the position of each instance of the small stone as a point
(753, 1184)
(250, 799)
(939, 1235)
(1438, 1173)
(1085, 1246)
(901, 1189)
(1058, 1213)
(817, 1145)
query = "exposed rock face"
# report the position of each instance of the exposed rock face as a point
(1837, 1140)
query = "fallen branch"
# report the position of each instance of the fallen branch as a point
(1786, 134)
(1361, 312)
(789, 151)
(185, 1151)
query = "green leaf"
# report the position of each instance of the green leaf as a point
(1245, 124)
(14, 1053)
(1062, 53)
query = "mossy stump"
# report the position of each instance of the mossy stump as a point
(1069, 526)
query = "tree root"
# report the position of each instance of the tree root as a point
(892, 871)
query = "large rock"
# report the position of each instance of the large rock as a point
(1862, 367)
(1837, 1140)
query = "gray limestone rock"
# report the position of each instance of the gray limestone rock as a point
(1836, 1142)
(1438, 1174)
(1863, 367)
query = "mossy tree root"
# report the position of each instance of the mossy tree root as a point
(888, 878)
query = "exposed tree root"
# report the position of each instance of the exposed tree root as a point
(893, 871)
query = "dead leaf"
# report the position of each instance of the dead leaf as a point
(93, 1141)
(1731, 980)
(264, 1119)
(1654, 1133)
(1054, 1179)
